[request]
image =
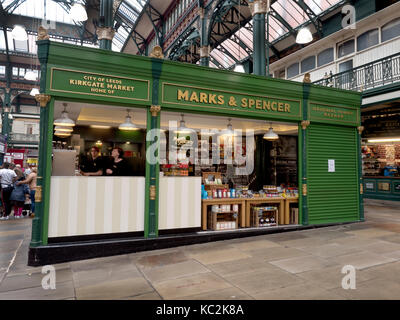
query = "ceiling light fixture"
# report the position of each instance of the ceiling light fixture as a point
(304, 36)
(62, 134)
(182, 127)
(19, 33)
(95, 126)
(128, 125)
(63, 129)
(30, 76)
(34, 92)
(228, 132)
(385, 140)
(270, 135)
(64, 120)
(78, 12)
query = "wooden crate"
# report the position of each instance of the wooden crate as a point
(294, 216)
(222, 220)
(255, 217)
(213, 176)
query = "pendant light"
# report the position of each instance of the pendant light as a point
(63, 129)
(19, 33)
(64, 120)
(239, 67)
(62, 134)
(128, 125)
(78, 12)
(270, 135)
(182, 127)
(30, 76)
(304, 36)
(34, 92)
(229, 132)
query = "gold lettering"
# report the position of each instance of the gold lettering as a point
(258, 104)
(221, 99)
(267, 105)
(211, 98)
(244, 103)
(272, 105)
(194, 97)
(280, 107)
(203, 97)
(71, 81)
(287, 107)
(251, 103)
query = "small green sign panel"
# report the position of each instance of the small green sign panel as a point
(96, 84)
(333, 114)
(218, 100)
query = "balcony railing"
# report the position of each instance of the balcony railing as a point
(368, 76)
(21, 137)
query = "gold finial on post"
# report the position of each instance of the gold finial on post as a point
(42, 34)
(157, 53)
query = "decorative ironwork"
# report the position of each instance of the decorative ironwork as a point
(155, 110)
(372, 75)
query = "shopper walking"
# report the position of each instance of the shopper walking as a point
(31, 180)
(7, 178)
(18, 194)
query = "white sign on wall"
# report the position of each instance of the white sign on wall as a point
(331, 165)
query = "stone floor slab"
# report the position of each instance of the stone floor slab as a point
(302, 264)
(159, 260)
(303, 291)
(188, 286)
(174, 271)
(255, 245)
(114, 289)
(216, 256)
(330, 250)
(371, 233)
(63, 291)
(224, 294)
(241, 266)
(362, 260)
(17, 282)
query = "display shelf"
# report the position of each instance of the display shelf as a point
(223, 220)
(264, 217)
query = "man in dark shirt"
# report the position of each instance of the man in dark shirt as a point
(94, 166)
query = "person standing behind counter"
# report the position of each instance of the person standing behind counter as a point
(118, 166)
(93, 166)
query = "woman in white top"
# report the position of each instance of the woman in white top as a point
(7, 178)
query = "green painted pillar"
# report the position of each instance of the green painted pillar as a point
(258, 9)
(43, 99)
(106, 32)
(5, 129)
(304, 183)
(205, 48)
(152, 172)
(360, 130)
(153, 154)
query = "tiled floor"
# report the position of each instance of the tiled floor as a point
(293, 265)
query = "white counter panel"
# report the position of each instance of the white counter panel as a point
(96, 205)
(179, 203)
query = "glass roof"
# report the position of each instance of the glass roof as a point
(291, 13)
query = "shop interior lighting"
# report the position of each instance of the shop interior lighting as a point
(270, 135)
(78, 12)
(182, 127)
(34, 92)
(63, 129)
(128, 125)
(385, 140)
(19, 33)
(64, 120)
(62, 134)
(95, 126)
(228, 132)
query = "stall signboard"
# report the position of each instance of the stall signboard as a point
(208, 99)
(333, 114)
(96, 84)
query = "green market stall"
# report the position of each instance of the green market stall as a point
(85, 224)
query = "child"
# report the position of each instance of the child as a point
(17, 197)
(27, 206)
